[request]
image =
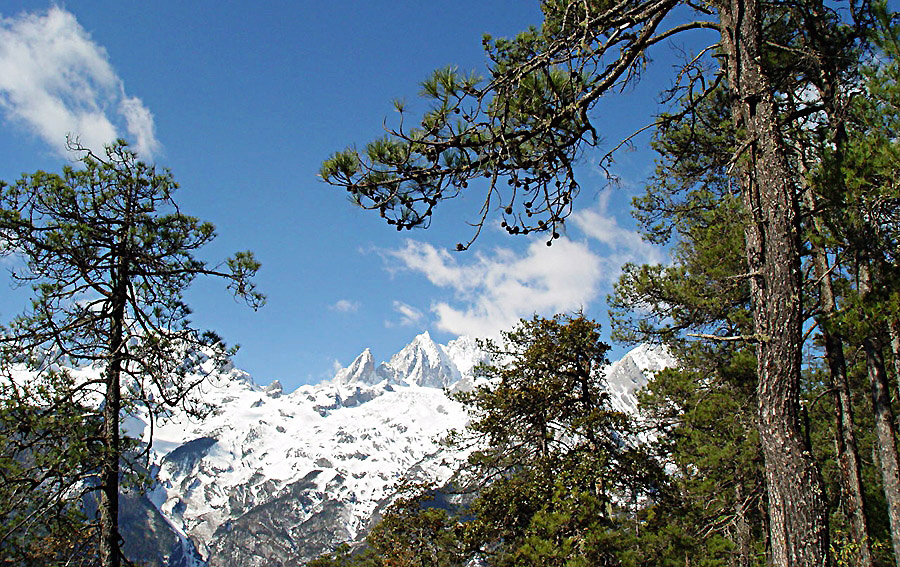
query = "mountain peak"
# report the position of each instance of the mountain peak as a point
(424, 342)
(362, 369)
(629, 374)
(421, 363)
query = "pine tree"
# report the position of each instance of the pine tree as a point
(558, 470)
(108, 255)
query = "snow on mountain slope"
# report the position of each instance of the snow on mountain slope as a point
(347, 441)
(630, 373)
(270, 478)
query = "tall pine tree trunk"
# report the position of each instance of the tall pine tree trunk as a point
(110, 547)
(798, 526)
(885, 430)
(847, 452)
(109, 476)
(886, 436)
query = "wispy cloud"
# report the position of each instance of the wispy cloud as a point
(493, 291)
(617, 244)
(56, 81)
(409, 315)
(345, 306)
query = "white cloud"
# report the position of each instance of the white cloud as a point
(345, 306)
(621, 244)
(55, 81)
(409, 315)
(494, 291)
(140, 126)
(491, 292)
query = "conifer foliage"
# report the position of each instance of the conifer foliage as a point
(554, 479)
(558, 470)
(108, 255)
(764, 100)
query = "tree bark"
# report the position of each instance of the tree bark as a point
(798, 527)
(886, 435)
(109, 476)
(110, 538)
(885, 430)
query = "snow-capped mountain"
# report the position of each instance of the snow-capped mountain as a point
(275, 479)
(630, 373)
(421, 363)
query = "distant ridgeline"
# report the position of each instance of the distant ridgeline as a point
(277, 479)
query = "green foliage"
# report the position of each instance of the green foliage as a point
(769, 136)
(520, 132)
(548, 442)
(108, 256)
(543, 410)
(545, 391)
(563, 477)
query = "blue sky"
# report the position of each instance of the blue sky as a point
(243, 101)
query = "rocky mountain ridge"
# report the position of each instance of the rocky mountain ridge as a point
(275, 479)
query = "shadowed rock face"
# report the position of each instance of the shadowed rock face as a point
(274, 479)
(262, 537)
(149, 539)
(185, 457)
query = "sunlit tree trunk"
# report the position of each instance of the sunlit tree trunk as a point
(798, 526)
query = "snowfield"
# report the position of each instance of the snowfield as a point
(270, 478)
